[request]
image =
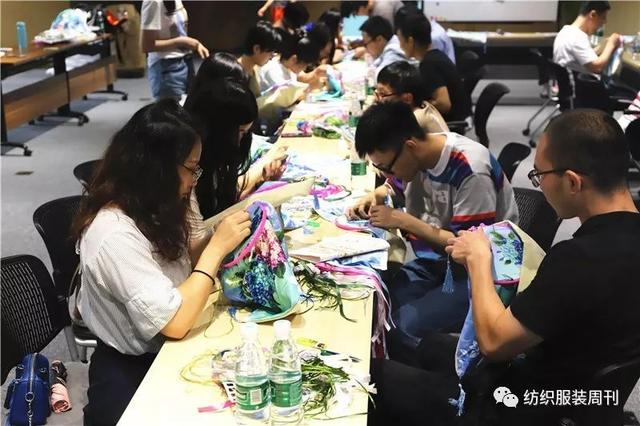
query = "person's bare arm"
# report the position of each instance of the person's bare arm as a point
(599, 64)
(151, 43)
(441, 100)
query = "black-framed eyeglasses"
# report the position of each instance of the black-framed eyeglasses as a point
(197, 172)
(382, 96)
(389, 169)
(536, 177)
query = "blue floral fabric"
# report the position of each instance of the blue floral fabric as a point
(258, 274)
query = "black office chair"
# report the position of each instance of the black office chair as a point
(488, 99)
(32, 313)
(53, 222)
(471, 70)
(511, 156)
(536, 217)
(546, 82)
(564, 101)
(592, 93)
(620, 376)
(84, 172)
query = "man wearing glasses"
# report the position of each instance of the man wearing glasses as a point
(462, 186)
(578, 316)
(379, 42)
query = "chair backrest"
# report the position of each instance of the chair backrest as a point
(84, 172)
(32, 315)
(591, 93)
(566, 85)
(537, 217)
(53, 222)
(467, 62)
(470, 81)
(621, 377)
(486, 102)
(542, 64)
(632, 134)
(511, 156)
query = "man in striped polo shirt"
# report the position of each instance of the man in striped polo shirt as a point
(460, 185)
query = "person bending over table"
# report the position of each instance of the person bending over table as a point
(261, 43)
(379, 42)
(333, 20)
(138, 285)
(440, 76)
(463, 186)
(224, 110)
(579, 314)
(218, 65)
(572, 48)
(164, 38)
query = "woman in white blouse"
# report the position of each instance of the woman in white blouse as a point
(138, 284)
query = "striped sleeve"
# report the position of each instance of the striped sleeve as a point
(474, 202)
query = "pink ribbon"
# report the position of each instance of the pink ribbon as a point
(253, 240)
(383, 308)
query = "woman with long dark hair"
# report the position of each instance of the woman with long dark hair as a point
(218, 65)
(225, 110)
(137, 283)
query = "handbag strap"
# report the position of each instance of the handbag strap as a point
(253, 240)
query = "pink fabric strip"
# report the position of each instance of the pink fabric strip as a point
(384, 306)
(252, 241)
(60, 398)
(215, 407)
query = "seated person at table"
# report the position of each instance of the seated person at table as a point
(261, 43)
(463, 186)
(139, 286)
(315, 72)
(401, 81)
(578, 315)
(333, 20)
(439, 75)
(572, 48)
(294, 17)
(218, 65)
(224, 110)
(297, 51)
(439, 37)
(376, 35)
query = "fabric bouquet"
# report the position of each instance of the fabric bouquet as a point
(258, 274)
(515, 261)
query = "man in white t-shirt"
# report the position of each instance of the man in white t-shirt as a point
(572, 48)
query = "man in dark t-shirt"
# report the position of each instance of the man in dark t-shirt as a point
(440, 76)
(579, 314)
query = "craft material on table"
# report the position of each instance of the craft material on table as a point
(348, 244)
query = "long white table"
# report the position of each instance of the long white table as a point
(164, 398)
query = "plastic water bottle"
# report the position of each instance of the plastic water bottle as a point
(23, 43)
(285, 376)
(252, 384)
(359, 178)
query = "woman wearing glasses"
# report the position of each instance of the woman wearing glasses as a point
(138, 285)
(225, 109)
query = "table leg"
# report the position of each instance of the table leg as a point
(60, 67)
(4, 140)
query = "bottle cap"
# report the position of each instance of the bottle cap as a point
(282, 329)
(249, 330)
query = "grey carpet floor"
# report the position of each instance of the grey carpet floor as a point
(28, 182)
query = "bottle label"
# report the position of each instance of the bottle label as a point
(286, 394)
(358, 169)
(250, 398)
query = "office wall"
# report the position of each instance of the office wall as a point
(624, 17)
(37, 15)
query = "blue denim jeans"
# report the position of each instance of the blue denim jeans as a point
(419, 306)
(169, 77)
